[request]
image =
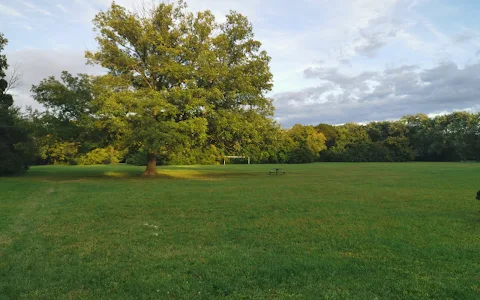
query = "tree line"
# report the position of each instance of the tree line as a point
(181, 88)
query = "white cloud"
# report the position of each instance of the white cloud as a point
(36, 8)
(62, 8)
(441, 37)
(9, 11)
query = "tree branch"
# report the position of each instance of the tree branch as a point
(15, 78)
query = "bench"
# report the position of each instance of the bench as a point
(277, 171)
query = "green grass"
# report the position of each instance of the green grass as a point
(323, 231)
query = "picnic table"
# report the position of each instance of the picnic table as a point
(276, 171)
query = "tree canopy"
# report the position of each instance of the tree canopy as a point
(16, 146)
(181, 79)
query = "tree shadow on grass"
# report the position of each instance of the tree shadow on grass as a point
(115, 172)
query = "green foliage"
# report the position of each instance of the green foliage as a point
(453, 137)
(138, 158)
(183, 156)
(101, 156)
(71, 130)
(351, 144)
(69, 99)
(377, 141)
(196, 156)
(16, 147)
(3, 59)
(307, 144)
(69, 108)
(330, 132)
(181, 81)
(53, 151)
(393, 136)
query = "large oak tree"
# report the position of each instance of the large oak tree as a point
(176, 77)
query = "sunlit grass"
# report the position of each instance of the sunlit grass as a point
(323, 231)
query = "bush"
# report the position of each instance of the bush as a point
(100, 156)
(57, 152)
(15, 159)
(138, 158)
(17, 149)
(209, 155)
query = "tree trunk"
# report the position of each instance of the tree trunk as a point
(151, 165)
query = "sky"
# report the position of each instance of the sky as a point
(333, 61)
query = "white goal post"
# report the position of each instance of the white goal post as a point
(234, 157)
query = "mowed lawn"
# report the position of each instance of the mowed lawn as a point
(323, 231)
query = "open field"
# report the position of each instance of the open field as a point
(323, 231)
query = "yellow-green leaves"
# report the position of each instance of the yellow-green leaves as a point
(173, 75)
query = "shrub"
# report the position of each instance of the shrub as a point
(100, 156)
(138, 158)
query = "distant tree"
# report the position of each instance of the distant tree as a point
(462, 135)
(330, 132)
(16, 146)
(181, 80)
(392, 137)
(345, 148)
(419, 135)
(68, 99)
(307, 144)
(65, 125)
(452, 137)
(71, 126)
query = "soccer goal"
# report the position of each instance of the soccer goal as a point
(235, 157)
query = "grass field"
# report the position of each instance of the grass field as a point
(323, 231)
